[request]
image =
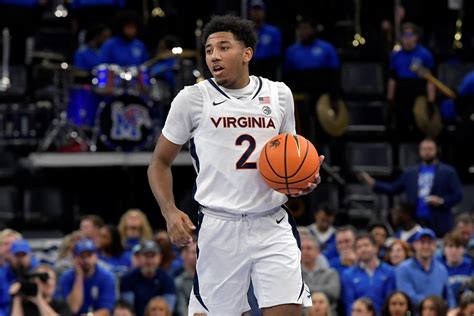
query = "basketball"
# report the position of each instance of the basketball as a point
(288, 163)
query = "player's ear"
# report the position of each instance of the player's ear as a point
(248, 54)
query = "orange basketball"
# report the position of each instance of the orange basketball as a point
(288, 163)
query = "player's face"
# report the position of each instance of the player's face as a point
(227, 60)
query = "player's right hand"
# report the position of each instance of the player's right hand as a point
(180, 228)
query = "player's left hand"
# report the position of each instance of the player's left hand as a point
(311, 185)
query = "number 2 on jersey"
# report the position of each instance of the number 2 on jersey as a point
(242, 163)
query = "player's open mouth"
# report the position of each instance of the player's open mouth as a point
(217, 70)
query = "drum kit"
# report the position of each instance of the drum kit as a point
(114, 108)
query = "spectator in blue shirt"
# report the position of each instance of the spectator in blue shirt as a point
(311, 68)
(346, 256)
(111, 251)
(147, 281)
(423, 275)
(324, 232)
(124, 49)
(20, 262)
(369, 278)
(88, 288)
(87, 56)
(404, 85)
(432, 186)
(267, 56)
(403, 219)
(459, 267)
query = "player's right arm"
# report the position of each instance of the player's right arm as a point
(182, 119)
(179, 225)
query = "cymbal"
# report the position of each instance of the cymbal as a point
(65, 67)
(48, 55)
(186, 53)
(335, 124)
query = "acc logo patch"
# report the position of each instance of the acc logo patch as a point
(266, 110)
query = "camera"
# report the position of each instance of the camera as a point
(27, 285)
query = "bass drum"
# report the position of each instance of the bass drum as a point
(126, 123)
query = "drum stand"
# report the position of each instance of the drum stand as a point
(60, 128)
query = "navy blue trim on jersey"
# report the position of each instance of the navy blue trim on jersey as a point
(196, 278)
(217, 88)
(260, 84)
(192, 151)
(292, 222)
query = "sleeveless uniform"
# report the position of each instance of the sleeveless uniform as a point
(243, 232)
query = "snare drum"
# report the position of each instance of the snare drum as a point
(135, 80)
(107, 79)
(126, 123)
(82, 106)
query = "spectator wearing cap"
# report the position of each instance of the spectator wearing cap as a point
(403, 217)
(148, 280)
(369, 278)
(87, 287)
(460, 269)
(21, 262)
(323, 230)
(318, 279)
(423, 275)
(267, 56)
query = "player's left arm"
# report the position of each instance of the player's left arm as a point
(288, 126)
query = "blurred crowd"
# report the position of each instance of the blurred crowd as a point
(127, 269)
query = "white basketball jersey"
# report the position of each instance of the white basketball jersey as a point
(226, 145)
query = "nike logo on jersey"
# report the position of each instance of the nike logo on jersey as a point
(217, 103)
(279, 220)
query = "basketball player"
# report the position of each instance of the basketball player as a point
(243, 231)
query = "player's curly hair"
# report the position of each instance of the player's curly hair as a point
(242, 29)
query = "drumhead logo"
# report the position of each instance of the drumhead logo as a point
(127, 121)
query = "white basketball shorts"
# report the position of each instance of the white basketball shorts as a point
(232, 249)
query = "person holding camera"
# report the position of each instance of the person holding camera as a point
(34, 295)
(87, 287)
